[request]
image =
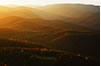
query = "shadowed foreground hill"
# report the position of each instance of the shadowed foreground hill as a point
(86, 42)
(13, 53)
(83, 42)
(4, 43)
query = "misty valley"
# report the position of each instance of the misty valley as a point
(59, 34)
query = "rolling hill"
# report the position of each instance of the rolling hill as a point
(48, 32)
(70, 10)
(84, 15)
(67, 27)
(39, 24)
(7, 43)
(20, 11)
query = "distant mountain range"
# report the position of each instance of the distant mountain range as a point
(61, 26)
(84, 15)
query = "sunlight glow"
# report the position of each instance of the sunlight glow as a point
(46, 2)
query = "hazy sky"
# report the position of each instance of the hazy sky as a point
(45, 2)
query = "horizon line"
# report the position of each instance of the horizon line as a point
(51, 4)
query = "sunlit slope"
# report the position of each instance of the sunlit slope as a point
(24, 24)
(20, 11)
(38, 24)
